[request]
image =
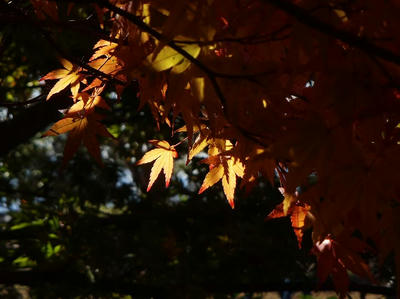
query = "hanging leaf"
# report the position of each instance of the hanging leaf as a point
(163, 156)
(69, 76)
(168, 58)
(224, 168)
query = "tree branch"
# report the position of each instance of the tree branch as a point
(302, 16)
(33, 119)
(143, 26)
(39, 98)
(84, 26)
(276, 35)
(51, 41)
(91, 70)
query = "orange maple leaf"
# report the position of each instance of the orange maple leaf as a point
(163, 155)
(83, 125)
(69, 75)
(297, 211)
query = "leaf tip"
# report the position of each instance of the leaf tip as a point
(299, 235)
(231, 203)
(202, 189)
(139, 162)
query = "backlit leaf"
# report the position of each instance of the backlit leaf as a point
(163, 156)
(68, 76)
(168, 58)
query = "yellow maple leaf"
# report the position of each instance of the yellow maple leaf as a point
(288, 200)
(87, 104)
(163, 155)
(103, 47)
(168, 58)
(224, 168)
(69, 75)
(200, 143)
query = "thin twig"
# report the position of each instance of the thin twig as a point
(157, 35)
(37, 99)
(246, 40)
(20, 87)
(74, 25)
(52, 42)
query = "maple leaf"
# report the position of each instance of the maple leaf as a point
(297, 211)
(83, 125)
(103, 47)
(297, 218)
(224, 168)
(69, 75)
(202, 140)
(163, 155)
(169, 58)
(200, 143)
(258, 161)
(81, 130)
(335, 258)
(197, 146)
(180, 99)
(329, 264)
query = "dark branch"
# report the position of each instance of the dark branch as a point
(87, 27)
(32, 120)
(277, 35)
(97, 73)
(212, 75)
(157, 35)
(88, 68)
(302, 16)
(39, 98)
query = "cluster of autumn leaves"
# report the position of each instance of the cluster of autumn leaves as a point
(264, 97)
